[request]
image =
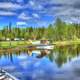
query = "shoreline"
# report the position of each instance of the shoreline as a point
(15, 44)
(64, 43)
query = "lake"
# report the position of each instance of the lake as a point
(61, 63)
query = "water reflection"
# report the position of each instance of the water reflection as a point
(61, 63)
(64, 54)
(60, 54)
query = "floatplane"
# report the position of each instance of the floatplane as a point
(42, 44)
(4, 75)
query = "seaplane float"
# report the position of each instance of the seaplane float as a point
(44, 46)
(41, 47)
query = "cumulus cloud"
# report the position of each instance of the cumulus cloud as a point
(27, 17)
(21, 23)
(34, 5)
(64, 9)
(23, 16)
(7, 13)
(9, 5)
(35, 15)
(19, 1)
(31, 3)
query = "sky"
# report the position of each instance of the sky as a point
(38, 13)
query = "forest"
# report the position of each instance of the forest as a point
(59, 31)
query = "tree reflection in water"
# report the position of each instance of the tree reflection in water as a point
(60, 54)
(63, 54)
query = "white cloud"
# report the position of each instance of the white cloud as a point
(7, 13)
(35, 15)
(31, 3)
(69, 15)
(23, 16)
(34, 5)
(68, 9)
(21, 23)
(9, 5)
(65, 9)
(19, 1)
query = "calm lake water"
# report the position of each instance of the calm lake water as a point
(61, 63)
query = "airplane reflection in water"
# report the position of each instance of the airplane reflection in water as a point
(39, 53)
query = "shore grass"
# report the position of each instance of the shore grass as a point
(71, 42)
(8, 44)
(14, 44)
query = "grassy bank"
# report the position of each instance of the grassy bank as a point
(13, 44)
(71, 42)
(19, 45)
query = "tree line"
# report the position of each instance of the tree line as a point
(57, 32)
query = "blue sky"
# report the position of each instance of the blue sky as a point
(38, 12)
